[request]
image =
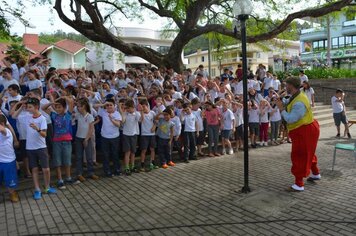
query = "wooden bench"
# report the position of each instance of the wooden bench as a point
(351, 122)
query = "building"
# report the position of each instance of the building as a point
(102, 56)
(314, 42)
(276, 55)
(64, 54)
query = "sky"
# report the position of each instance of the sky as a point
(46, 21)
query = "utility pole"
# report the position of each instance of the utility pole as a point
(209, 48)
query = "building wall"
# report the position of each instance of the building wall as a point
(80, 59)
(60, 59)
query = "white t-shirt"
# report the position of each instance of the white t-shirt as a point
(22, 124)
(238, 88)
(303, 78)
(130, 127)
(70, 82)
(239, 119)
(308, 93)
(337, 106)
(15, 72)
(213, 94)
(227, 119)
(15, 98)
(276, 84)
(189, 122)
(276, 116)
(147, 123)
(254, 116)
(158, 109)
(7, 153)
(264, 115)
(83, 124)
(6, 83)
(176, 95)
(198, 114)
(177, 129)
(268, 82)
(43, 102)
(108, 129)
(33, 84)
(34, 140)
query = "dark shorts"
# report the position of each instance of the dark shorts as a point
(239, 132)
(21, 152)
(225, 134)
(147, 142)
(254, 128)
(38, 156)
(340, 117)
(8, 174)
(129, 143)
(201, 138)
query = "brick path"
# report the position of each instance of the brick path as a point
(202, 195)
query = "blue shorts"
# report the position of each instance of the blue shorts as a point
(62, 153)
(8, 173)
(226, 133)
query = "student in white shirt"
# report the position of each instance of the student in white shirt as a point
(264, 122)
(309, 91)
(33, 81)
(237, 109)
(110, 136)
(253, 122)
(148, 134)
(85, 130)
(8, 169)
(199, 115)
(191, 130)
(7, 78)
(339, 112)
(37, 152)
(130, 120)
(227, 126)
(275, 117)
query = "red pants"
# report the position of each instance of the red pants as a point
(264, 132)
(304, 142)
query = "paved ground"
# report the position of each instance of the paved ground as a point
(199, 198)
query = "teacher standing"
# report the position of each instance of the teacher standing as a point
(304, 132)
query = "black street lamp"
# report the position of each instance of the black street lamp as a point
(242, 9)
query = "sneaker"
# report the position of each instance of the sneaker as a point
(337, 136)
(153, 166)
(231, 151)
(266, 144)
(81, 178)
(164, 166)
(348, 135)
(14, 197)
(171, 163)
(51, 190)
(127, 172)
(60, 185)
(223, 152)
(69, 181)
(37, 195)
(94, 177)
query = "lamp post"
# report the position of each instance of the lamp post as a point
(242, 9)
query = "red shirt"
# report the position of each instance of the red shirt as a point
(212, 117)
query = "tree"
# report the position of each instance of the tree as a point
(6, 11)
(93, 19)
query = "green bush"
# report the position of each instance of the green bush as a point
(330, 73)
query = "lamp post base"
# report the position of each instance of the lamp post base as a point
(245, 189)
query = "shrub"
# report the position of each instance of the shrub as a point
(330, 73)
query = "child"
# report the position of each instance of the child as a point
(110, 136)
(339, 112)
(148, 132)
(198, 113)
(275, 117)
(191, 131)
(212, 116)
(253, 122)
(164, 137)
(264, 110)
(36, 147)
(62, 138)
(8, 171)
(130, 119)
(177, 130)
(237, 109)
(33, 82)
(83, 141)
(227, 125)
(159, 105)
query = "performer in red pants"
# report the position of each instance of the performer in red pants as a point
(304, 132)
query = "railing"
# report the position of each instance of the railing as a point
(312, 30)
(349, 23)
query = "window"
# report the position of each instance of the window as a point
(335, 42)
(202, 59)
(341, 42)
(163, 49)
(353, 40)
(348, 41)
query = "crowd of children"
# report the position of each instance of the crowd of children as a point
(49, 116)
